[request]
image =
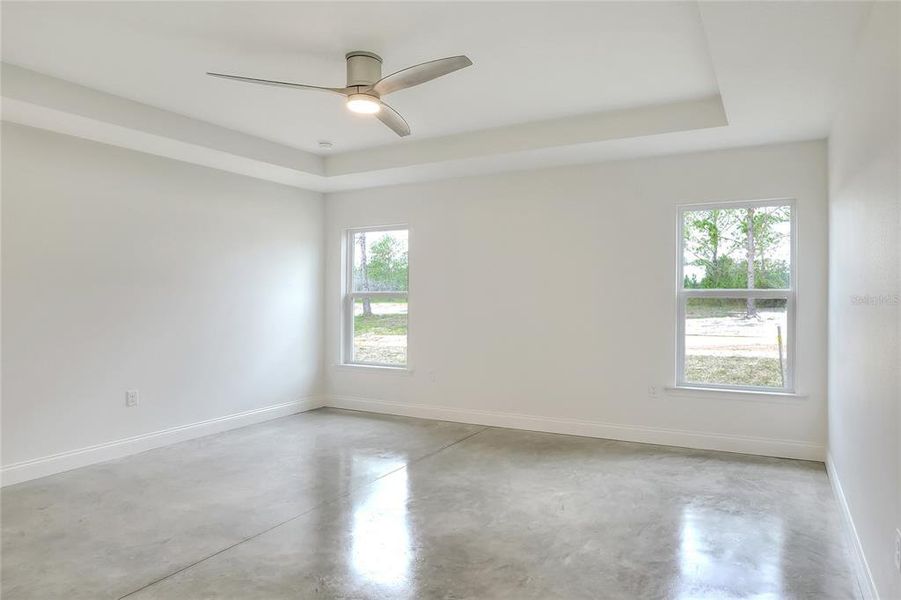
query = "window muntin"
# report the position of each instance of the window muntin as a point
(735, 315)
(376, 300)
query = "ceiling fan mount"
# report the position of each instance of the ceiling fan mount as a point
(365, 85)
(363, 68)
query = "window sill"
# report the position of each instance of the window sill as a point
(726, 393)
(377, 369)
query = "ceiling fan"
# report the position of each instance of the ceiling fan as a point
(366, 86)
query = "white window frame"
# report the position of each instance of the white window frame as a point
(350, 296)
(789, 295)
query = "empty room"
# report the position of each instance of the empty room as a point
(450, 300)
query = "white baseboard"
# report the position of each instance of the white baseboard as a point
(72, 459)
(628, 433)
(868, 589)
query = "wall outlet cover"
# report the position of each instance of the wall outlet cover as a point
(131, 398)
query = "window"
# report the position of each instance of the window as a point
(736, 296)
(375, 302)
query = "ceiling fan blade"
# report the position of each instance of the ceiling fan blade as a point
(419, 74)
(393, 120)
(300, 86)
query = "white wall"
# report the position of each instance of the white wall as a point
(201, 289)
(865, 262)
(546, 299)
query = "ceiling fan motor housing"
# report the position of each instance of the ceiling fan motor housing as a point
(363, 68)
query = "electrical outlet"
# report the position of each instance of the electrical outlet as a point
(652, 391)
(898, 550)
(131, 398)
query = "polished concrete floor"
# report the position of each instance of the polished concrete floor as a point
(336, 504)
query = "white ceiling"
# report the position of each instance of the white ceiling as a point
(553, 82)
(531, 61)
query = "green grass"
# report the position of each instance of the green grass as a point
(704, 311)
(734, 370)
(704, 308)
(380, 325)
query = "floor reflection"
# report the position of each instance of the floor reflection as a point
(729, 555)
(381, 550)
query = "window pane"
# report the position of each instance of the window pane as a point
(734, 341)
(380, 331)
(737, 248)
(380, 261)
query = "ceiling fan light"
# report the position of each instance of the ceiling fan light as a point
(363, 103)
